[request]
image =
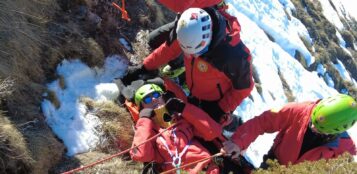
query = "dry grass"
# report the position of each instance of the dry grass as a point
(342, 165)
(23, 35)
(14, 155)
(140, 47)
(326, 43)
(118, 135)
(349, 38)
(46, 150)
(114, 166)
(6, 87)
(117, 125)
(288, 93)
(51, 96)
(117, 165)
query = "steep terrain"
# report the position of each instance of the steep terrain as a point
(35, 36)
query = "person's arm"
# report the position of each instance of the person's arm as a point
(268, 122)
(204, 125)
(144, 130)
(162, 55)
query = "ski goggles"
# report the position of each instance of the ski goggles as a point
(148, 98)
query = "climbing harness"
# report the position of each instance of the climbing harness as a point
(192, 163)
(176, 158)
(124, 15)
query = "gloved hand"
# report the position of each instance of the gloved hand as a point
(173, 35)
(231, 149)
(133, 73)
(213, 109)
(175, 105)
(146, 113)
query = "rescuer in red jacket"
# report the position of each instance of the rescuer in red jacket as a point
(177, 146)
(218, 64)
(175, 68)
(306, 131)
(162, 34)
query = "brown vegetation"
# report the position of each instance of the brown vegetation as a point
(117, 125)
(14, 155)
(326, 43)
(37, 35)
(23, 36)
(340, 165)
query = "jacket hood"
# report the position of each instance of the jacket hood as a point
(218, 29)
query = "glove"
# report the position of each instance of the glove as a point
(175, 105)
(231, 149)
(133, 73)
(173, 35)
(213, 109)
(146, 113)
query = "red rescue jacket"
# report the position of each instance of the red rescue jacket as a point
(291, 121)
(182, 5)
(194, 122)
(223, 74)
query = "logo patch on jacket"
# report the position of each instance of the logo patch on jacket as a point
(202, 66)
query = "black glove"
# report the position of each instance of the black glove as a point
(133, 73)
(175, 105)
(146, 113)
(173, 35)
(213, 109)
(138, 72)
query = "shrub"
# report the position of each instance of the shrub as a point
(341, 165)
(288, 93)
(348, 37)
(117, 125)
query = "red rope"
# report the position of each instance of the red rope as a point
(120, 153)
(192, 163)
(124, 15)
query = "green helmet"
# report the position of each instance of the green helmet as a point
(335, 114)
(145, 90)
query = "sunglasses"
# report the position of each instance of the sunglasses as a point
(148, 98)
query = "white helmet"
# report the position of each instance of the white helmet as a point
(194, 30)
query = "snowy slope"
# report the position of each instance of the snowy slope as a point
(258, 18)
